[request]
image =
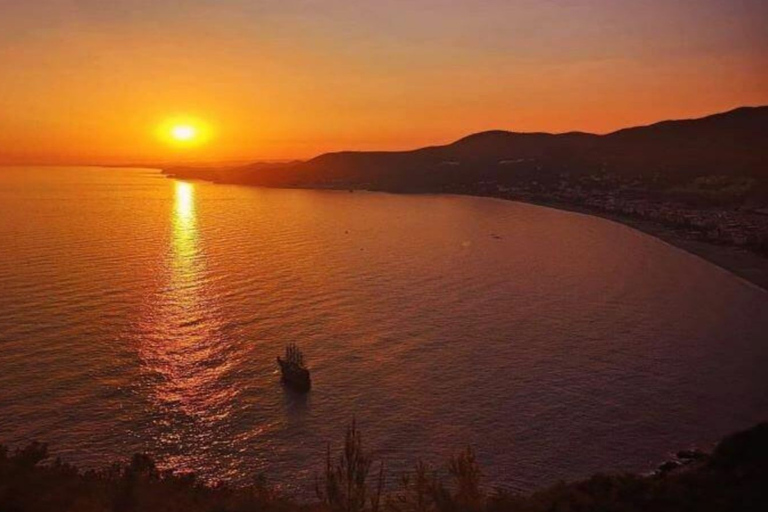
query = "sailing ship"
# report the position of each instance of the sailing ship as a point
(294, 371)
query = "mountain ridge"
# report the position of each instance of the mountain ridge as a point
(669, 152)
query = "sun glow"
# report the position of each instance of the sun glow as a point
(184, 132)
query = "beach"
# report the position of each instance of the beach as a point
(747, 265)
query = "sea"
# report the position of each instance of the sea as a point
(139, 313)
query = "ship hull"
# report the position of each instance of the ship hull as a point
(295, 377)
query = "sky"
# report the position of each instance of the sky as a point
(92, 81)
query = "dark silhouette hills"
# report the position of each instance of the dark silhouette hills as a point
(731, 144)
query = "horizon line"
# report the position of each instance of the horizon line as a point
(162, 163)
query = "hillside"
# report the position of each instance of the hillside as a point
(734, 477)
(664, 154)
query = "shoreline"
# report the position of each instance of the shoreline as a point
(743, 264)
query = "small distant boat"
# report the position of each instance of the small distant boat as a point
(295, 372)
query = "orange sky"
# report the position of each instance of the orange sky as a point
(91, 80)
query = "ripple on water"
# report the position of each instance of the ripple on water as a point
(143, 314)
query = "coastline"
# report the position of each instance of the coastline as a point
(745, 265)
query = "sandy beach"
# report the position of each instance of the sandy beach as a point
(745, 264)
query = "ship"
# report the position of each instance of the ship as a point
(294, 371)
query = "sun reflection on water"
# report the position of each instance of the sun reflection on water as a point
(187, 265)
(184, 203)
(183, 355)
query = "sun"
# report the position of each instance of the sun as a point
(184, 132)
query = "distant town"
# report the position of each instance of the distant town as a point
(703, 179)
(739, 226)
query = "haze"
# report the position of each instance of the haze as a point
(89, 81)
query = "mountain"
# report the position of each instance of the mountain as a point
(731, 143)
(669, 153)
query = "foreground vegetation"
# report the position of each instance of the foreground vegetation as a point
(733, 478)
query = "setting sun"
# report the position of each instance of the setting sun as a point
(383, 256)
(184, 132)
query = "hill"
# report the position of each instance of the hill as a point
(664, 154)
(734, 477)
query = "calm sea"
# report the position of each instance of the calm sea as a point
(139, 313)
